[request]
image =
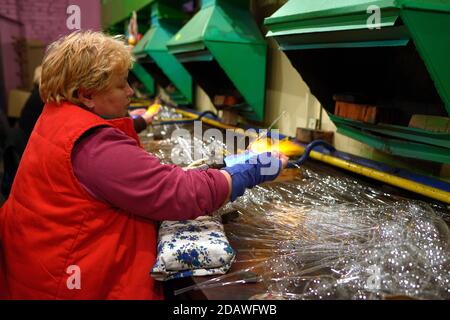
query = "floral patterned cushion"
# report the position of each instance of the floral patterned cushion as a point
(192, 248)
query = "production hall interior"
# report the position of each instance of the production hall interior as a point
(193, 150)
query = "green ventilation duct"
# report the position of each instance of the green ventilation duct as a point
(116, 11)
(144, 77)
(224, 51)
(115, 16)
(141, 74)
(152, 53)
(403, 66)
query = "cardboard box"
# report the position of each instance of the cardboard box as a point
(16, 102)
(430, 123)
(357, 112)
(308, 135)
(229, 117)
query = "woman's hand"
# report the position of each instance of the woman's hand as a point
(148, 117)
(141, 112)
(260, 168)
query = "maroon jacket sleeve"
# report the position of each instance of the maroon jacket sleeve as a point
(112, 168)
(139, 124)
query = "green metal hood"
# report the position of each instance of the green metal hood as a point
(224, 51)
(144, 77)
(115, 14)
(139, 71)
(152, 53)
(115, 11)
(308, 16)
(312, 24)
(403, 66)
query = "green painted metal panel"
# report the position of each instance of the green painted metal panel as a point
(227, 29)
(296, 9)
(398, 36)
(308, 16)
(351, 12)
(166, 21)
(139, 49)
(337, 28)
(175, 71)
(217, 21)
(428, 5)
(144, 77)
(190, 37)
(407, 133)
(420, 25)
(204, 56)
(231, 23)
(427, 21)
(114, 11)
(247, 75)
(398, 147)
(431, 33)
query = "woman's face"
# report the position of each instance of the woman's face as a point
(113, 102)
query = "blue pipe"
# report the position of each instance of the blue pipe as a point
(308, 149)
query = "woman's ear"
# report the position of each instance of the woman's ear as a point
(85, 97)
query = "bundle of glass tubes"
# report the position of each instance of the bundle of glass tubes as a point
(327, 235)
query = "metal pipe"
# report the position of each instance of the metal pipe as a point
(403, 183)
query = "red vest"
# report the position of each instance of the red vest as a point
(55, 237)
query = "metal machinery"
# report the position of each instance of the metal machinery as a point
(154, 58)
(224, 51)
(402, 66)
(115, 15)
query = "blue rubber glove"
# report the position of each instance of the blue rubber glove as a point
(256, 170)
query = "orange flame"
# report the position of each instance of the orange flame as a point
(286, 147)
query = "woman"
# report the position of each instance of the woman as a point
(80, 222)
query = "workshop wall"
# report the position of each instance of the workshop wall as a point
(46, 19)
(40, 22)
(8, 9)
(9, 29)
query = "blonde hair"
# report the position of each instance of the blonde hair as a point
(83, 59)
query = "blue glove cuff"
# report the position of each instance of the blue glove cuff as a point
(254, 171)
